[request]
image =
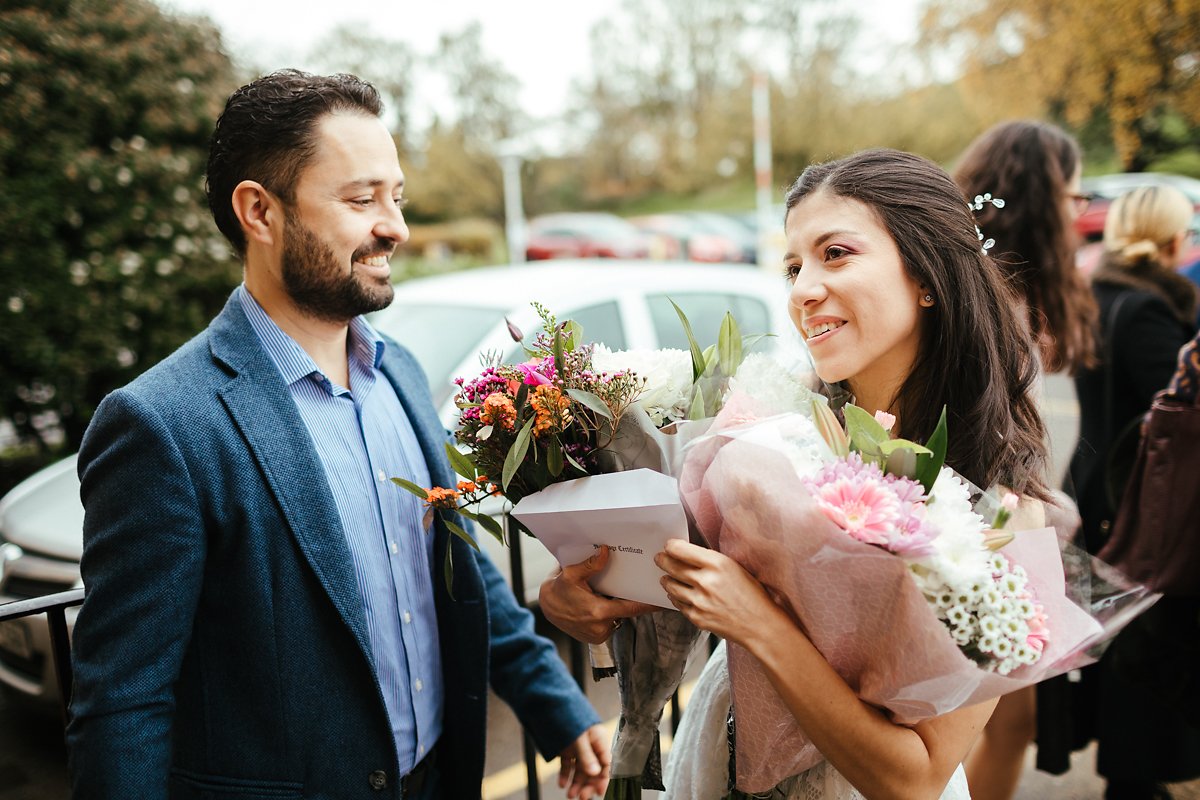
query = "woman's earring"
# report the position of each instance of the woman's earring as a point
(927, 300)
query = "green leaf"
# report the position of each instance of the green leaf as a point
(574, 333)
(928, 466)
(488, 523)
(697, 356)
(557, 348)
(448, 570)
(729, 345)
(592, 401)
(554, 456)
(864, 430)
(574, 463)
(516, 453)
(460, 463)
(829, 427)
(458, 531)
(751, 339)
(696, 409)
(412, 487)
(522, 398)
(710, 360)
(892, 445)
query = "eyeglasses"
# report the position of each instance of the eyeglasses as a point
(1082, 201)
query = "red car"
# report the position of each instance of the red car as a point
(583, 235)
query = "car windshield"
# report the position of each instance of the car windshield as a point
(459, 330)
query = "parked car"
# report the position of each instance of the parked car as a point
(447, 321)
(583, 235)
(684, 236)
(1103, 189)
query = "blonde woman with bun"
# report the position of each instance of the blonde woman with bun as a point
(1146, 314)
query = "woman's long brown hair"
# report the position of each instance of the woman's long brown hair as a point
(1029, 164)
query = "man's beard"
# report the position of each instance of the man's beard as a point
(319, 285)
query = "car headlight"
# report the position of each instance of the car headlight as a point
(8, 552)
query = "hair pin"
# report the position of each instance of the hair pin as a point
(980, 201)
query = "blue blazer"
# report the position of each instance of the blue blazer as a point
(221, 650)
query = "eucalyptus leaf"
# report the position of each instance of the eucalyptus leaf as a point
(419, 491)
(460, 462)
(554, 456)
(458, 531)
(448, 570)
(489, 524)
(516, 453)
(698, 362)
(592, 401)
(729, 345)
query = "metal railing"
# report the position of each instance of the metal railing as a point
(54, 606)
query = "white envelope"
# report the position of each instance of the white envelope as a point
(633, 513)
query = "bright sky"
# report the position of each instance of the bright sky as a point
(544, 43)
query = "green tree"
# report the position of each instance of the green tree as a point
(1132, 63)
(110, 258)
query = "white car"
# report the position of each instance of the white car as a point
(447, 321)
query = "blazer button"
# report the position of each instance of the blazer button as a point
(378, 780)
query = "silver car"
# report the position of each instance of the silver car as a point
(447, 321)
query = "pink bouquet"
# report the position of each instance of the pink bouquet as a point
(894, 567)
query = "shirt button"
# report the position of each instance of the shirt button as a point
(407, 617)
(382, 476)
(418, 685)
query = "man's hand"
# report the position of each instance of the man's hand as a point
(585, 765)
(569, 602)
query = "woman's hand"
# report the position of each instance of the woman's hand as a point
(715, 592)
(570, 604)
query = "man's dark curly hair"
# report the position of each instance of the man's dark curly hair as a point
(267, 134)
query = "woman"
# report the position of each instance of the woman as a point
(1146, 313)
(899, 305)
(1035, 167)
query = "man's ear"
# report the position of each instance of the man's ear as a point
(259, 211)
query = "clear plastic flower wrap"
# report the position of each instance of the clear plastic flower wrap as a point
(762, 491)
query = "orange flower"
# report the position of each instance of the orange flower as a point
(550, 406)
(467, 486)
(438, 497)
(498, 410)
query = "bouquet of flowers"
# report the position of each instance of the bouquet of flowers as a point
(896, 568)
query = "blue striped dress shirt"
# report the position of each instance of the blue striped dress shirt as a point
(363, 437)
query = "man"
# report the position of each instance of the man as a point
(266, 614)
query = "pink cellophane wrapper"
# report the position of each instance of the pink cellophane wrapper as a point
(855, 602)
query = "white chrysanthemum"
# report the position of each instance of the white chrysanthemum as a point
(1015, 629)
(990, 625)
(958, 615)
(987, 643)
(668, 376)
(1025, 654)
(1024, 607)
(962, 636)
(770, 384)
(959, 552)
(1003, 648)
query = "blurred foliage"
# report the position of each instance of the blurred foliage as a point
(1135, 63)
(111, 260)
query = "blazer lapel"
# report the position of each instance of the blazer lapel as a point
(261, 406)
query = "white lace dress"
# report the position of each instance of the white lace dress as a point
(698, 765)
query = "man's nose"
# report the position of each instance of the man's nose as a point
(391, 225)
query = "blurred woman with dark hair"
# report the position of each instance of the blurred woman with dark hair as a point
(1036, 168)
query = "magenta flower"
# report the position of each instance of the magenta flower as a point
(538, 373)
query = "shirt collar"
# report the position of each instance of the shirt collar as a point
(366, 345)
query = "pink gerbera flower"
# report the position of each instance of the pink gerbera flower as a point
(863, 508)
